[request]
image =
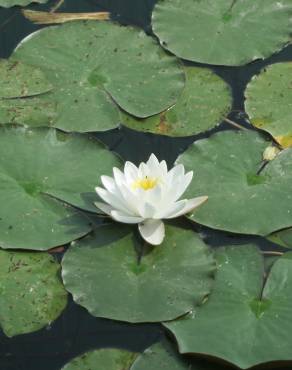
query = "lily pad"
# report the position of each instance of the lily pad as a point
(161, 356)
(102, 359)
(269, 102)
(31, 292)
(192, 113)
(37, 166)
(10, 3)
(246, 321)
(282, 237)
(94, 64)
(240, 200)
(223, 32)
(18, 80)
(104, 274)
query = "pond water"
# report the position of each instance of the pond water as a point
(76, 331)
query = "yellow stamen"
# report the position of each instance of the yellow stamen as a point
(146, 183)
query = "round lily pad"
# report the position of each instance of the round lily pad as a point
(192, 113)
(37, 166)
(241, 199)
(223, 32)
(269, 102)
(105, 274)
(102, 359)
(93, 64)
(31, 292)
(18, 80)
(245, 321)
(10, 3)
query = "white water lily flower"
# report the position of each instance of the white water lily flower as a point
(147, 194)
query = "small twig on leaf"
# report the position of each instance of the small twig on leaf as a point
(49, 18)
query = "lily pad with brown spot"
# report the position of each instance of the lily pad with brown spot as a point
(269, 102)
(204, 103)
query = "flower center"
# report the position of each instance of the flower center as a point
(146, 183)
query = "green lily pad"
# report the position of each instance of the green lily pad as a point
(102, 359)
(161, 356)
(223, 32)
(192, 113)
(282, 237)
(94, 64)
(31, 292)
(18, 80)
(242, 322)
(240, 201)
(33, 112)
(269, 102)
(10, 3)
(104, 275)
(37, 166)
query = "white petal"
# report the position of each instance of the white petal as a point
(131, 198)
(152, 163)
(114, 200)
(172, 209)
(119, 176)
(108, 182)
(175, 173)
(154, 196)
(152, 231)
(146, 210)
(122, 217)
(163, 168)
(104, 207)
(131, 172)
(182, 185)
(143, 170)
(190, 206)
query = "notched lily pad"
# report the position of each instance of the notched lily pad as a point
(102, 359)
(93, 65)
(223, 32)
(241, 200)
(31, 292)
(246, 321)
(37, 166)
(193, 112)
(167, 282)
(269, 102)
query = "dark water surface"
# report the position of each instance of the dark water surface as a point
(76, 331)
